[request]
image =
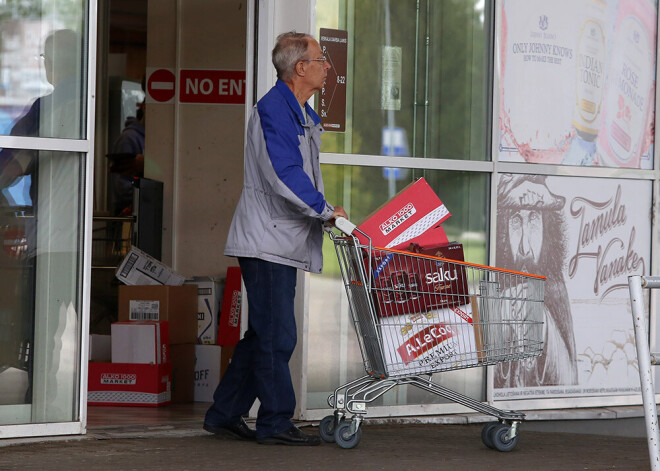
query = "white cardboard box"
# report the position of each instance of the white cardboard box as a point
(207, 371)
(140, 342)
(139, 268)
(209, 292)
(437, 340)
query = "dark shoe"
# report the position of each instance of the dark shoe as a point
(239, 430)
(293, 436)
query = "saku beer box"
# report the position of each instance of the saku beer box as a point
(406, 216)
(404, 284)
(436, 340)
(129, 384)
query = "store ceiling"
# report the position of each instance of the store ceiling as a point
(128, 22)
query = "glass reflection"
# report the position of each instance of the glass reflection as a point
(42, 94)
(56, 113)
(40, 211)
(416, 80)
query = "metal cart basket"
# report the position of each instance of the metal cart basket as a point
(415, 315)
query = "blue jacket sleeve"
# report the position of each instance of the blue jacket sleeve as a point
(282, 141)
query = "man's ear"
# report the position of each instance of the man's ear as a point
(300, 68)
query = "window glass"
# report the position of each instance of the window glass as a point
(40, 223)
(416, 77)
(336, 358)
(43, 68)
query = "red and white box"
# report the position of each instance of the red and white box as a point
(404, 284)
(140, 342)
(450, 250)
(433, 238)
(229, 329)
(129, 384)
(436, 340)
(410, 213)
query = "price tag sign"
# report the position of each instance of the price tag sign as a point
(332, 99)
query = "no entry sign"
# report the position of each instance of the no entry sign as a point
(212, 86)
(161, 85)
(196, 86)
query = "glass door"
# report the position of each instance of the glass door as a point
(45, 138)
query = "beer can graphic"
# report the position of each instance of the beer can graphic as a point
(400, 286)
(387, 295)
(414, 285)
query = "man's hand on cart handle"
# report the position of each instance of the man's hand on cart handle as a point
(344, 225)
(338, 213)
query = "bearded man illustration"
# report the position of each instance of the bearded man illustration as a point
(531, 239)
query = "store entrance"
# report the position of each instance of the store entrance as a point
(190, 172)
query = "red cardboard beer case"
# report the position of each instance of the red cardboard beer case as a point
(426, 242)
(404, 284)
(450, 250)
(129, 384)
(407, 215)
(229, 329)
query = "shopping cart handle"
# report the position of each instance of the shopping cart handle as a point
(344, 225)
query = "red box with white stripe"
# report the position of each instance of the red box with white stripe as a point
(406, 216)
(129, 384)
(229, 328)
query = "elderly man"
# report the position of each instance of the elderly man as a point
(276, 229)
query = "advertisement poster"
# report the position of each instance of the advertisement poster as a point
(577, 82)
(586, 236)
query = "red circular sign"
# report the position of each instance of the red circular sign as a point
(161, 85)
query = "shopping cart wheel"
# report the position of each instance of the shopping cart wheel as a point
(487, 434)
(500, 441)
(327, 429)
(343, 435)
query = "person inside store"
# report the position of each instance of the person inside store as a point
(127, 161)
(277, 228)
(55, 114)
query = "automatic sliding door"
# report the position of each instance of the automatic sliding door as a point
(41, 271)
(43, 166)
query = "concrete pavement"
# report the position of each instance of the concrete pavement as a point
(400, 447)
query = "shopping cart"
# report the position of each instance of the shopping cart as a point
(416, 315)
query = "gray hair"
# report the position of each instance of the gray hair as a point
(289, 49)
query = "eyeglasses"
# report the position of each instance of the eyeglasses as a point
(321, 59)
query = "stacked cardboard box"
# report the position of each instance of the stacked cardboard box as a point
(170, 343)
(140, 371)
(155, 313)
(425, 314)
(213, 355)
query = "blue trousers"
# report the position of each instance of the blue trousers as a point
(259, 368)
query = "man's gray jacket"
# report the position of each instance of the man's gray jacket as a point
(280, 214)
